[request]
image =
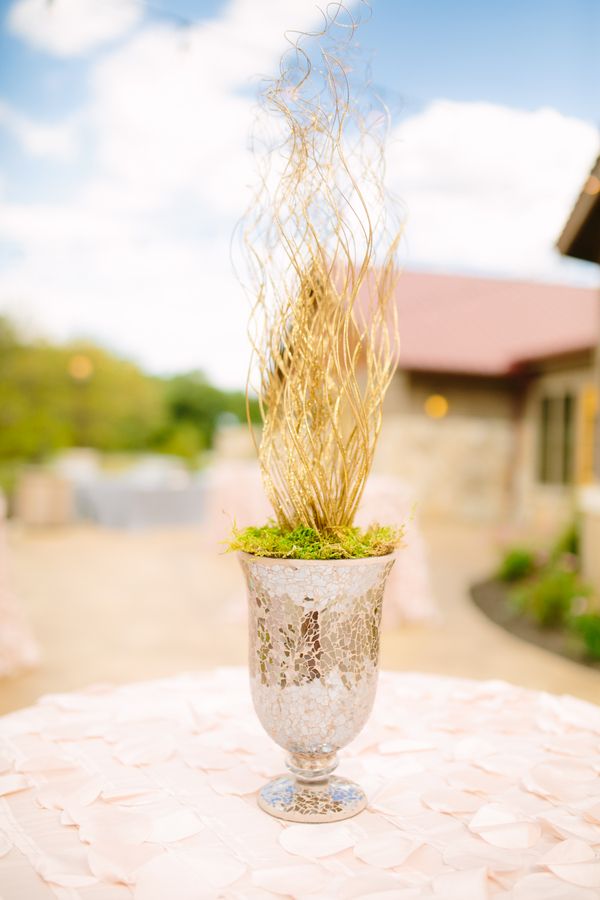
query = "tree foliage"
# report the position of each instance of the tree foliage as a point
(54, 396)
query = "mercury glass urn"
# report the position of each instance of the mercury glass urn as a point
(314, 659)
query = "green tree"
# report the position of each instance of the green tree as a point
(113, 404)
(52, 397)
(78, 394)
(193, 402)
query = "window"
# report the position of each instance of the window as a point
(557, 439)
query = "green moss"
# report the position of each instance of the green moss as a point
(307, 543)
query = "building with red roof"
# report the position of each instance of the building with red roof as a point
(491, 412)
(482, 326)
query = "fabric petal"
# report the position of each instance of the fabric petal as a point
(545, 886)
(574, 861)
(473, 747)
(405, 745)
(503, 828)
(313, 842)
(167, 877)
(10, 784)
(562, 779)
(384, 851)
(240, 780)
(290, 880)
(44, 762)
(116, 863)
(408, 893)
(450, 801)
(213, 863)
(68, 872)
(104, 824)
(144, 751)
(471, 884)
(174, 827)
(200, 756)
(5, 845)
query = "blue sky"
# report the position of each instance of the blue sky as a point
(520, 54)
(123, 152)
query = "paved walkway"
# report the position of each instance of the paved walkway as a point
(118, 606)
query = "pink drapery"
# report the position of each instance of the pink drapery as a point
(18, 649)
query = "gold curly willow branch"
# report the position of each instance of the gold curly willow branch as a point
(321, 239)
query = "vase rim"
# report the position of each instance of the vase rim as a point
(291, 561)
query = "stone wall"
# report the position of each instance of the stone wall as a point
(480, 461)
(457, 466)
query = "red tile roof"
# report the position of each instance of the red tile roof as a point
(451, 323)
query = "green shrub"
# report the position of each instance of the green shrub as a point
(518, 563)
(307, 543)
(568, 543)
(587, 627)
(549, 599)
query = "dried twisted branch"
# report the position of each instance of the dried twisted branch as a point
(321, 238)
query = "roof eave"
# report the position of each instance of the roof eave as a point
(515, 368)
(578, 238)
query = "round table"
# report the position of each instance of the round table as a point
(477, 790)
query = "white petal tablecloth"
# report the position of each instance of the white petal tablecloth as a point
(477, 789)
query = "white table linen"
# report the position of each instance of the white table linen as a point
(477, 790)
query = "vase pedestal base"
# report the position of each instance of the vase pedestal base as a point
(335, 799)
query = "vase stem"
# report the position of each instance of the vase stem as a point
(312, 768)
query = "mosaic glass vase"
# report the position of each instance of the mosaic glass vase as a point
(314, 661)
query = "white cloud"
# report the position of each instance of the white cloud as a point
(182, 123)
(162, 302)
(490, 188)
(72, 27)
(140, 258)
(54, 141)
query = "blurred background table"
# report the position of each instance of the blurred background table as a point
(477, 789)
